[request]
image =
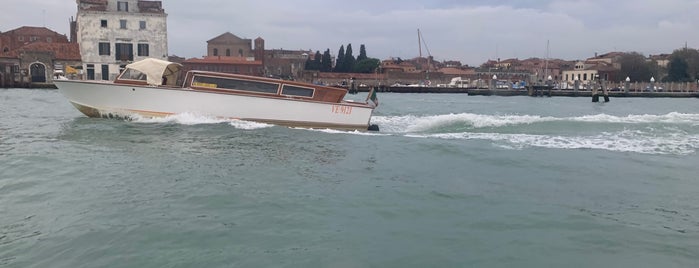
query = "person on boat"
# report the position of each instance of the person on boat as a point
(164, 81)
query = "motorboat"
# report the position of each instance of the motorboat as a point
(158, 88)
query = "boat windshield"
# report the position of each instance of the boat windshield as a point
(131, 74)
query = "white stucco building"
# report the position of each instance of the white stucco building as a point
(114, 33)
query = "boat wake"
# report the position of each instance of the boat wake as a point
(410, 123)
(647, 134)
(194, 119)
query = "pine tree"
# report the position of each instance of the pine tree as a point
(349, 60)
(362, 53)
(316, 61)
(313, 64)
(339, 62)
(326, 64)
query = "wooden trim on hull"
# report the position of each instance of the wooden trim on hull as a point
(216, 91)
(97, 113)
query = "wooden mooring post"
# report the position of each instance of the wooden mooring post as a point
(600, 85)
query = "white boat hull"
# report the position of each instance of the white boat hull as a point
(97, 99)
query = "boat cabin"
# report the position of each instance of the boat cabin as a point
(160, 73)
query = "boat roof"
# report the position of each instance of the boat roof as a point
(155, 69)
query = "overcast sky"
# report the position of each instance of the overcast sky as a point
(469, 31)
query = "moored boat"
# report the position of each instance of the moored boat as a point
(157, 88)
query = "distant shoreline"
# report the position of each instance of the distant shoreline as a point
(501, 92)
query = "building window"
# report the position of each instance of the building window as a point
(33, 38)
(105, 72)
(215, 51)
(122, 24)
(104, 49)
(124, 51)
(123, 6)
(142, 25)
(584, 77)
(20, 38)
(48, 39)
(143, 50)
(90, 72)
(240, 53)
(103, 23)
(228, 52)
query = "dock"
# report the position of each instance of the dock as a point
(535, 92)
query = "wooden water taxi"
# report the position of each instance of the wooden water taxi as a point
(157, 88)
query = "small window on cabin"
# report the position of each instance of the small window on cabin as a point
(235, 84)
(131, 74)
(103, 23)
(297, 91)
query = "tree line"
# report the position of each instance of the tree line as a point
(683, 66)
(344, 63)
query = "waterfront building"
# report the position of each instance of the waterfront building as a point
(661, 59)
(588, 71)
(224, 64)
(229, 53)
(114, 33)
(285, 63)
(33, 56)
(605, 67)
(230, 45)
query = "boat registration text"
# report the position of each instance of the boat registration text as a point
(341, 109)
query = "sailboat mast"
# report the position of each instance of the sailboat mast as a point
(546, 64)
(419, 42)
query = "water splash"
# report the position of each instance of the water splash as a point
(412, 124)
(195, 119)
(646, 134)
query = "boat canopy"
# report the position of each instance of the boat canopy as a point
(158, 72)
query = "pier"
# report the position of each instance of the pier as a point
(536, 91)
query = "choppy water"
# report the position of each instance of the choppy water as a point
(450, 181)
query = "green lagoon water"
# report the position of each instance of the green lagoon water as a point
(450, 181)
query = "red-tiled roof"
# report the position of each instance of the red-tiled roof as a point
(30, 30)
(223, 60)
(62, 51)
